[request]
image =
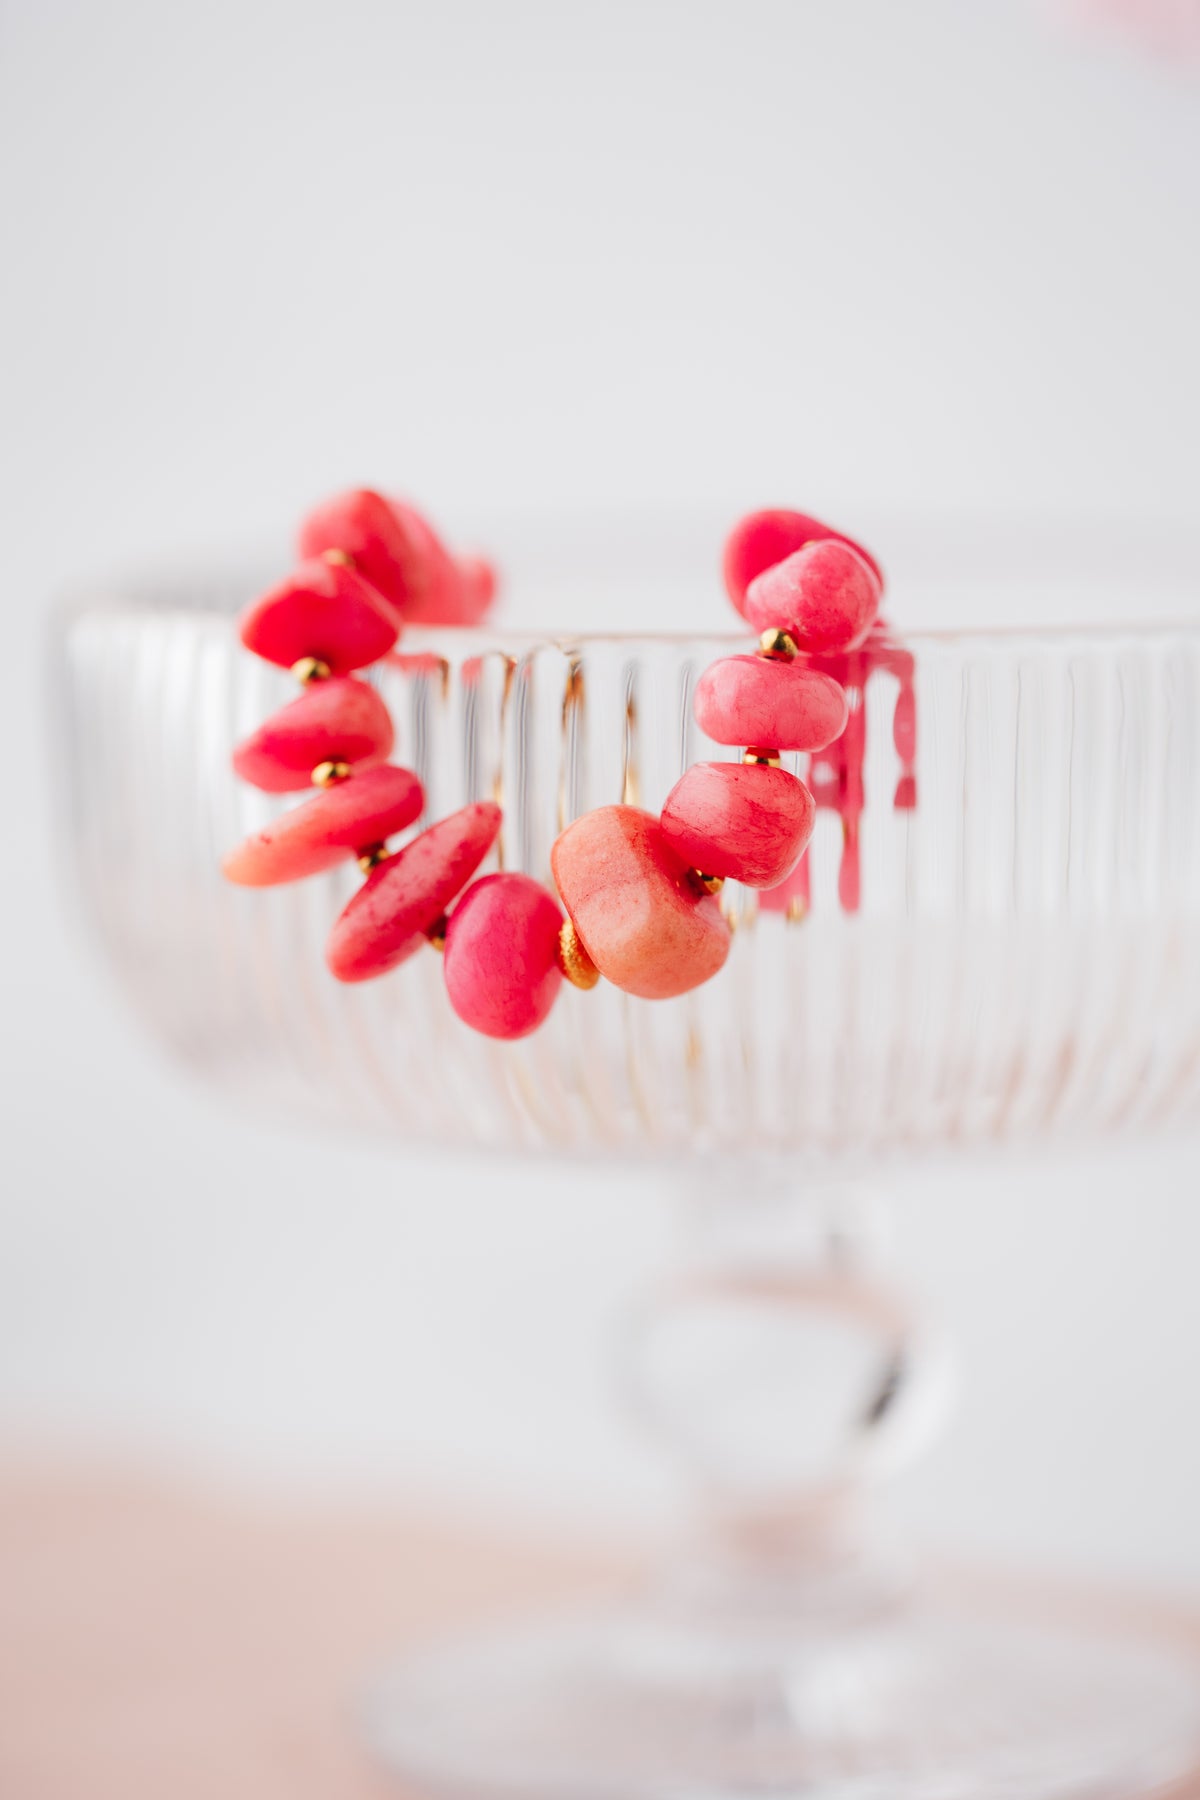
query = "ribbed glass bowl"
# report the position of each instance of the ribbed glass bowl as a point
(1024, 958)
(1026, 955)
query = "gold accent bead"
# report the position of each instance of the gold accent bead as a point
(341, 559)
(765, 759)
(574, 960)
(779, 644)
(372, 856)
(311, 668)
(437, 933)
(797, 910)
(712, 884)
(327, 774)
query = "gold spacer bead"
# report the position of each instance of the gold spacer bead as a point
(436, 933)
(311, 668)
(779, 644)
(341, 559)
(328, 774)
(372, 856)
(765, 759)
(712, 884)
(574, 960)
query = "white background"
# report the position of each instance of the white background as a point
(876, 259)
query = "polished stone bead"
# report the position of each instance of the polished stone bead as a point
(501, 959)
(444, 593)
(638, 913)
(763, 539)
(826, 596)
(364, 526)
(754, 700)
(402, 899)
(743, 822)
(324, 610)
(339, 720)
(335, 824)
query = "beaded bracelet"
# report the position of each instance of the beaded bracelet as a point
(639, 891)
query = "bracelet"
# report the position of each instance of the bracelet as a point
(639, 891)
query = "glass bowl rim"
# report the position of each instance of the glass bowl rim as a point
(164, 596)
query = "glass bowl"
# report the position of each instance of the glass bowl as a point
(1015, 955)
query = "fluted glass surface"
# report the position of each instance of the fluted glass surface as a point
(1026, 955)
(1024, 958)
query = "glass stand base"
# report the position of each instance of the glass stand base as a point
(921, 1703)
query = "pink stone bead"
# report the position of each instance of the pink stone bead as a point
(501, 959)
(398, 902)
(825, 596)
(442, 596)
(365, 527)
(339, 720)
(763, 539)
(745, 821)
(336, 823)
(398, 551)
(325, 610)
(645, 925)
(770, 704)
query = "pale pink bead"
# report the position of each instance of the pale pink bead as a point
(501, 957)
(333, 825)
(770, 704)
(398, 902)
(826, 596)
(638, 913)
(745, 821)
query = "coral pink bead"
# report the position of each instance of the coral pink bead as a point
(826, 596)
(763, 539)
(398, 902)
(773, 705)
(336, 823)
(340, 720)
(742, 820)
(365, 527)
(639, 916)
(501, 959)
(325, 610)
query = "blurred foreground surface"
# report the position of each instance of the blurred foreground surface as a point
(156, 1639)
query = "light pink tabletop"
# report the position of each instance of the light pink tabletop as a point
(162, 1642)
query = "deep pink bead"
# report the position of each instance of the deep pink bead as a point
(769, 704)
(365, 527)
(444, 595)
(398, 902)
(639, 915)
(501, 958)
(339, 720)
(324, 609)
(745, 821)
(825, 596)
(401, 554)
(336, 823)
(763, 539)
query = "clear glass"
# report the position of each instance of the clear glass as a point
(1025, 961)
